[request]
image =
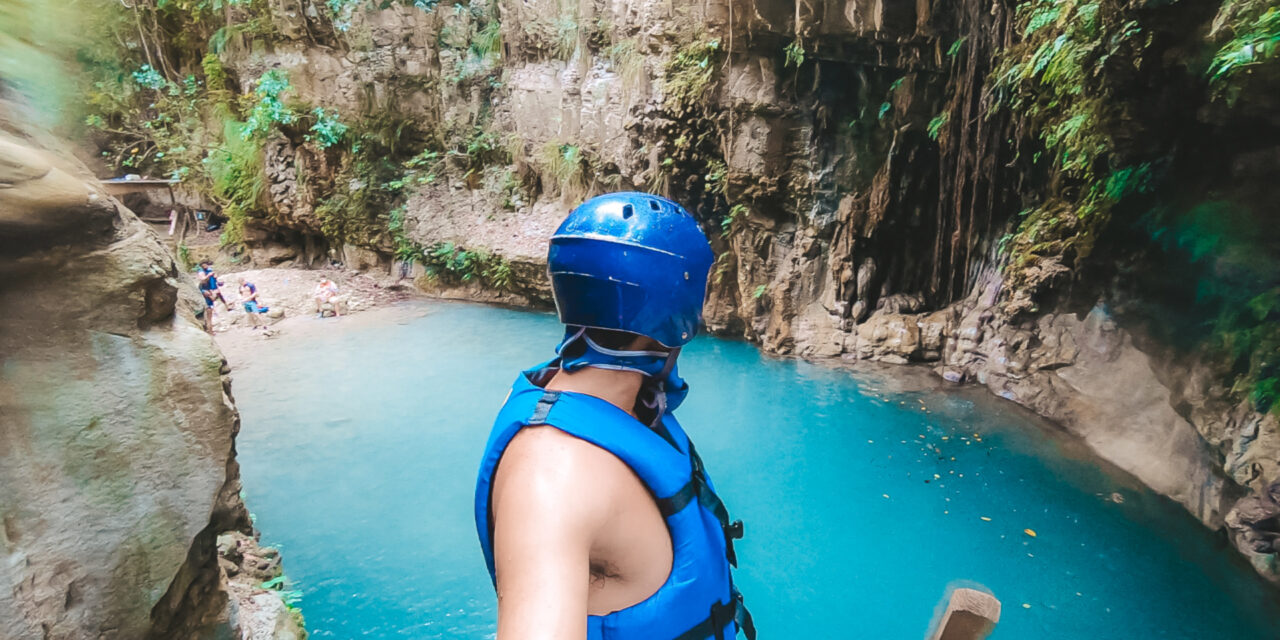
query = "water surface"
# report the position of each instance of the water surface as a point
(863, 498)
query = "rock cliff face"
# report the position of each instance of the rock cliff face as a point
(117, 427)
(849, 158)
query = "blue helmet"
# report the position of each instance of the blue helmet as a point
(631, 262)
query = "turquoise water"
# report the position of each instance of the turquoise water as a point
(360, 442)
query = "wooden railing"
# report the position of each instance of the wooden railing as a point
(969, 615)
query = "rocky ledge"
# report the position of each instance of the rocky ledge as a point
(1134, 402)
(117, 425)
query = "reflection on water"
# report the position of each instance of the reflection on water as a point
(863, 500)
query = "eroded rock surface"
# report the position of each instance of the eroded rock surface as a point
(117, 426)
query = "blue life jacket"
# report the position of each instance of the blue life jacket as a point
(698, 600)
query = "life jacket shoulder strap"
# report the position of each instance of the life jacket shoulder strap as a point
(697, 488)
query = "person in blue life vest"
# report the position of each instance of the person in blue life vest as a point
(595, 515)
(210, 289)
(253, 308)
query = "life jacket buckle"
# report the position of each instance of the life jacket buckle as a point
(734, 531)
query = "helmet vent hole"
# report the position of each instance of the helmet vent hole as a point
(628, 211)
(653, 204)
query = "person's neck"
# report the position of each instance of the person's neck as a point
(618, 388)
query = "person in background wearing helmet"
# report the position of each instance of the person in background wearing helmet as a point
(595, 515)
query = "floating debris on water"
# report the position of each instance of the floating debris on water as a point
(1030, 532)
(984, 519)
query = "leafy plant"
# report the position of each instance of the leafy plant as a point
(269, 108)
(717, 178)
(565, 165)
(690, 73)
(627, 61)
(729, 223)
(793, 54)
(457, 265)
(1255, 38)
(184, 257)
(327, 130)
(238, 180)
(937, 124)
(342, 12)
(1057, 80)
(149, 78)
(487, 42)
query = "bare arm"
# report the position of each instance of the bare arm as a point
(549, 503)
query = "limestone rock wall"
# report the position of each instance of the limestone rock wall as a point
(117, 426)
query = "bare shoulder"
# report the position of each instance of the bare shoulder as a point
(543, 465)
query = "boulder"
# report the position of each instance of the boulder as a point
(889, 337)
(116, 424)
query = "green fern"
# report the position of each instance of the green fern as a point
(937, 124)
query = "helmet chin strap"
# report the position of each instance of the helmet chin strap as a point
(663, 390)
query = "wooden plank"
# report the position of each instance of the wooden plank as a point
(118, 187)
(970, 615)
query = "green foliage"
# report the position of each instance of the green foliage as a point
(1234, 281)
(736, 213)
(690, 74)
(454, 264)
(717, 178)
(566, 42)
(238, 181)
(215, 78)
(365, 193)
(627, 61)
(487, 41)
(327, 130)
(1056, 79)
(406, 250)
(565, 165)
(1255, 38)
(793, 54)
(288, 592)
(956, 47)
(555, 36)
(759, 292)
(421, 169)
(474, 35)
(342, 12)
(483, 147)
(149, 78)
(937, 124)
(269, 109)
